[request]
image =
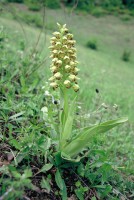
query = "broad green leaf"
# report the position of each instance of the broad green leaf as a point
(101, 128)
(46, 167)
(82, 140)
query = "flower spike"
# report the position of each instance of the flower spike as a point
(63, 54)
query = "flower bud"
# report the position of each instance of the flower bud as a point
(67, 83)
(52, 79)
(64, 26)
(72, 42)
(56, 34)
(58, 63)
(72, 63)
(64, 47)
(69, 36)
(54, 85)
(76, 70)
(66, 58)
(58, 44)
(51, 56)
(76, 62)
(104, 105)
(115, 106)
(65, 30)
(73, 49)
(64, 38)
(53, 42)
(72, 77)
(54, 51)
(76, 88)
(58, 76)
(53, 39)
(60, 55)
(70, 51)
(59, 25)
(54, 69)
(55, 60)
(67, 68)
(73, 57)
(51, 47)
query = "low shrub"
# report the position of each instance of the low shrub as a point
(33, 5)
(125, 17)
(98, 11)
(110, 3)
(54, 4)
(32, 19)
(126, 55)
(38, 22)
(92, 44)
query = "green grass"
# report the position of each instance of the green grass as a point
(102, 69)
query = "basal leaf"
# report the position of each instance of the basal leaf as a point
(82, 140)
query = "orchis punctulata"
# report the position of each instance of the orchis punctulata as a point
(64, 68)
(63, 54)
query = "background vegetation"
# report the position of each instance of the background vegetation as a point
(27, 161)
(86, 5)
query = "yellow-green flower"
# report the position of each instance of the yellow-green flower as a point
(54, 85)
(76, 87)
(51, 79)
(72, 77)
(58, 75)
(67, 83)
(67, 68)
(54, 69)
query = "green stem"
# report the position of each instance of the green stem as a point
(64, 105)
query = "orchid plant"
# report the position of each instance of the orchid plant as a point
(65, 79)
